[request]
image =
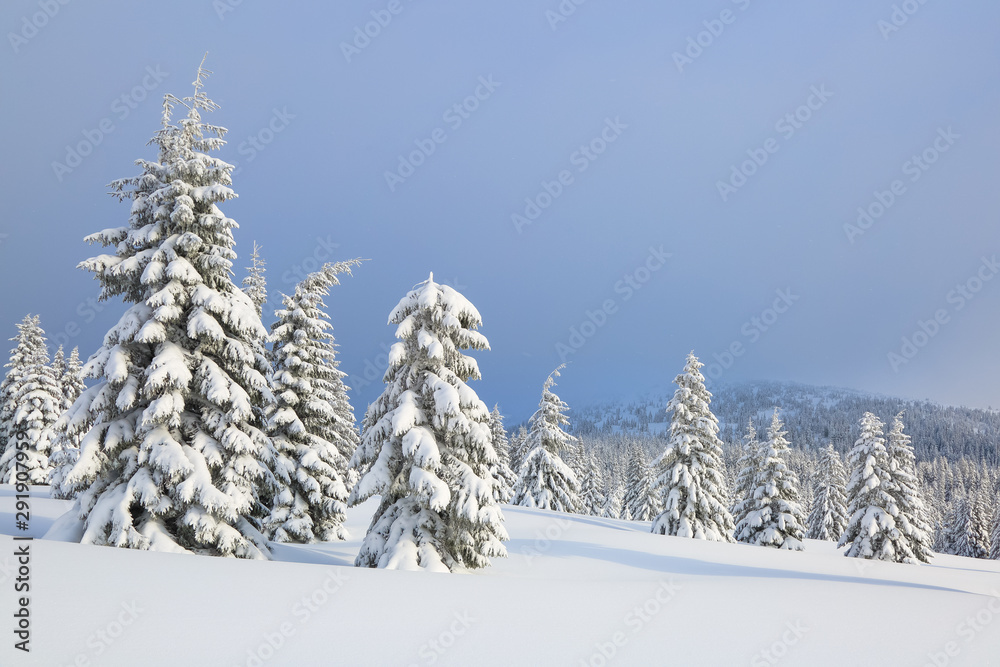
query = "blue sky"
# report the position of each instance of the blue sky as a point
(804, 113)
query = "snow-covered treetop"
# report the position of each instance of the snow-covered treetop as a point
(900, 451)
(255, 284)
(443, 322)
(547, 422)
(174, 214)
(692, 416)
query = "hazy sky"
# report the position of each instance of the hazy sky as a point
(694, 166)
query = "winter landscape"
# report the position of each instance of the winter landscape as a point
(558, 333)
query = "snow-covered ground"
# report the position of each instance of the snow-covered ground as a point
(574, 590)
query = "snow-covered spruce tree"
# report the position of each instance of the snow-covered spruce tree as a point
(983, 521)
(502, 472)
(255, 284)
(576, 459)
(33, 402)
(311, 422)
(691, 477)
(639, 494)
(905, 488)
(776, 518)
(518, 448)
(592, 499)
(427, 447)
(748, 465)
(828, 517)
(613, 503)
(66, 448)
(871, 531)
(963, 536)
(544, 479)
(995, 536)
(20, 359)
(176, 458)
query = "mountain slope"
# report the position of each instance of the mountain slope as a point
(813, 416)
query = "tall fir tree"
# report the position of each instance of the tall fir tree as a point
(592, 499)
(427, 446)
(177, 458)
(544, 479)
(255, 284)
(640, 496)
(775, 517)
(748, 465)
(502, 472)
(691, 471)
(905, 489)
(311, 422)
(32, 402)
(871, 531)
(828, 518)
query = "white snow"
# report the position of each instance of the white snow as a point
(571, 585)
